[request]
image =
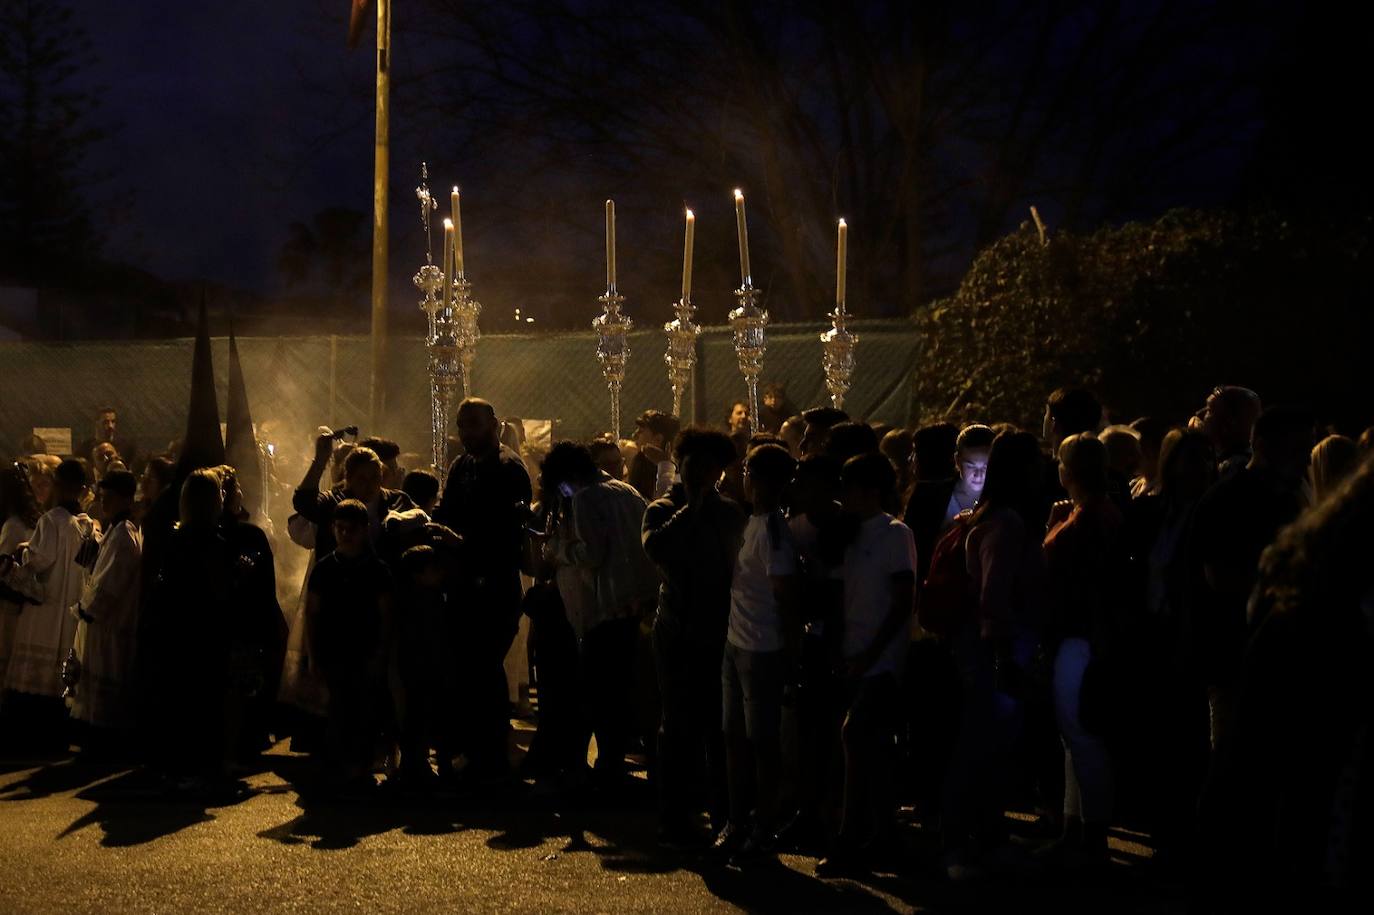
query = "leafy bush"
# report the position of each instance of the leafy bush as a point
(1151, 316)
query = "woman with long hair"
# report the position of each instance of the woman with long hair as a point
(994, 643)
(1333, 459)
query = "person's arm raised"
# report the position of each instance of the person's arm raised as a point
(307, 498)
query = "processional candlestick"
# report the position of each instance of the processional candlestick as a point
(838, 343)
(452, 313)
(682, 332)
(612, 328)
(749, 321)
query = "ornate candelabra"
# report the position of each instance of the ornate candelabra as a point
(838, 356)
(613, 349)
(682, 350)
(750, 323)
(452, 335)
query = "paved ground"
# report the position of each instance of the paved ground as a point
(77, 838)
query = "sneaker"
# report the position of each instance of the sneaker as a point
(729, 840)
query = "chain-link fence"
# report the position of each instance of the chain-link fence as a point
(298, 383)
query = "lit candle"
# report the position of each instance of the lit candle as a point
(743, 238)
(448, 260)
(687, 257)
(610, 246)
(457, 233)
(841, 268)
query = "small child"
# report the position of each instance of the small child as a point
(879, 592)
(423, 657)
(348, 618)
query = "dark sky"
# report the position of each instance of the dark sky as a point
(221, 109)
(234, 119)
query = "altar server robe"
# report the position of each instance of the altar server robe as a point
(46, 631)
(106, 641)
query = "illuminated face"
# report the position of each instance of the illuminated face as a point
(104, 453)
(108, 422)
(739, 415)
(973, 469)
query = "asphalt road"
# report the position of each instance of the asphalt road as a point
(78, 838)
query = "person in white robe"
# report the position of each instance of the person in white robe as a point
(19, 513)
(56, 556)
(108, 612)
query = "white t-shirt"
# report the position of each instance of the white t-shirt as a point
(884, 547)
(755, 624)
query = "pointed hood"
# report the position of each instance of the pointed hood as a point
(240, 442)
(202, 446)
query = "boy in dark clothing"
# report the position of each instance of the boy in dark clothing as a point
(348, 617)
(693, 535)
(423, 635)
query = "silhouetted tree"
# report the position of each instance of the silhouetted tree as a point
(48, 128)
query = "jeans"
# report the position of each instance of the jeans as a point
(751, 687)
(990, 723)
(606, 675)
(691, 742)
(1088, 782)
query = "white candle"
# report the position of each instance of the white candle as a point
(743, 237)
(448, 260)
(687, 257)
(841, 268)
(457, 233)
(610, 246)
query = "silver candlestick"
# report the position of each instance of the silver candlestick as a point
(838, 356)
(750, 323)
(613, 349)
(682, 350)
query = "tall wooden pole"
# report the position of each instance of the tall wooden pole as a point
(382, 161)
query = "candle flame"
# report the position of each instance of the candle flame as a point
(739, 194)
(448, 223)
(841, 220)
(455, 189)
(691, 215)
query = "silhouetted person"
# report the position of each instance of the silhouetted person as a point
(762, 627)
(651, 471)
(598, 535)
(486, 502)
(693, 535)
(1286, 817)
(1234, 522)
(1084, 561)
(349, 617)
(879, 596)
(1228, 418)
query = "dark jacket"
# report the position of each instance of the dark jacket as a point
(318, 509)
(695, 550)
(486, 501)
(925, 515)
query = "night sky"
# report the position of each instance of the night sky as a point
(224, 115)
(233, 120)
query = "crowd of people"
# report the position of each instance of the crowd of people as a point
(797, 627)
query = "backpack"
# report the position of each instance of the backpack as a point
(943, 604)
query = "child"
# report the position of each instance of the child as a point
(879, 588)
(762, 596)
(426, 668)
(348, 615)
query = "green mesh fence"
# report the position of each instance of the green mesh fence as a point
(298, 383)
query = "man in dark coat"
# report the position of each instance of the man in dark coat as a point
(486, 502)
